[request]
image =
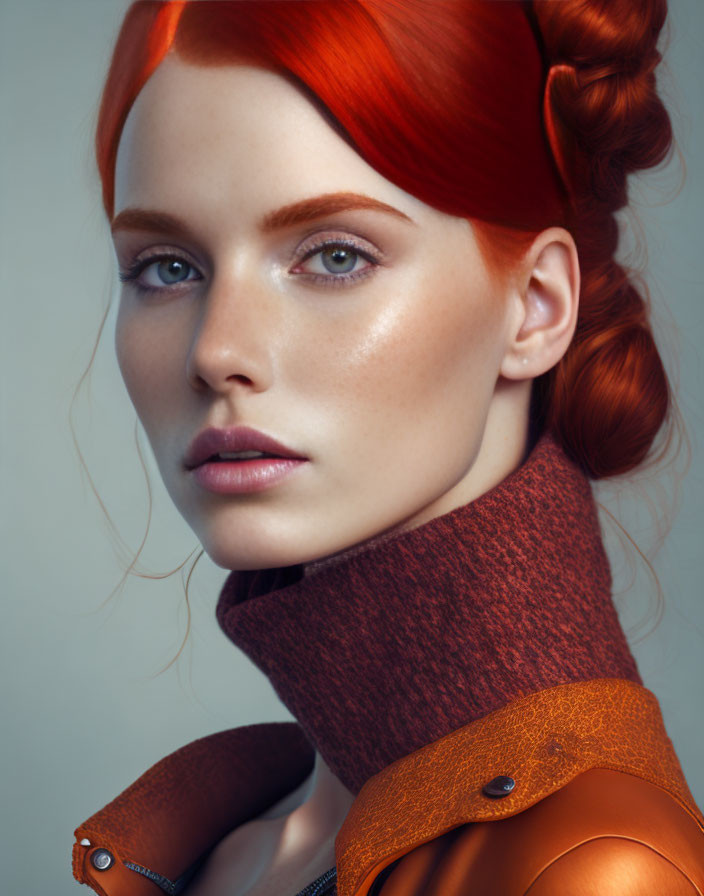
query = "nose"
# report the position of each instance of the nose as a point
(232, 342)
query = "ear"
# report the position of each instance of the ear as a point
(546, 299)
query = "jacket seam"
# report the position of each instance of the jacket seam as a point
(535, 799)
(695, 888)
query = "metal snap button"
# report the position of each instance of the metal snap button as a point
(102, 860)
(500, 786)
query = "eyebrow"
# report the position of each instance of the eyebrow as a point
(288, 216)
(321, 206)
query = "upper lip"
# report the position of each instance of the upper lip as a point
(235, 438)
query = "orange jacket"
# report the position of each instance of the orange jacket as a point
(583, 778)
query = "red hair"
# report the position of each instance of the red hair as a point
(516, 115)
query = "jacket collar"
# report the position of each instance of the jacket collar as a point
(178, 810)
(540, 742)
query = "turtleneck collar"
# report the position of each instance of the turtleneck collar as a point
(392, 646)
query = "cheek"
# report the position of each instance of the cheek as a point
(420, 370)
(146, 355)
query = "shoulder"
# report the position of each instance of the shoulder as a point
(606, 833)
(614, 866)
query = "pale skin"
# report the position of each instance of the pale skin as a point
(403, 375)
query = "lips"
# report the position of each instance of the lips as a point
(211, 442)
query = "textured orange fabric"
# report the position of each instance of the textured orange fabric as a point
(186, 803)
(604, 833)
(543, 741)
(587, 758)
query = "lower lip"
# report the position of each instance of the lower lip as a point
(238, 477)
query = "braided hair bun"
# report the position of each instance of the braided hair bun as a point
(609, 395)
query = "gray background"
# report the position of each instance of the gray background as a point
(84, 708)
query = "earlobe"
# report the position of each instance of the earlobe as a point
(547, 298)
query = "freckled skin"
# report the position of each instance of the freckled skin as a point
(407, 386)
(391, 384)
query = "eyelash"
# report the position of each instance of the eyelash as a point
(132, 273)
(337, 280)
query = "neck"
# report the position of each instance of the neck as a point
(321, 801)
(391, 647)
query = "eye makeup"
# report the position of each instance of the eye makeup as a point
(133, 274)
(315, 251)
(352, 247)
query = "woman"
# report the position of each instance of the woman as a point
(373, 326)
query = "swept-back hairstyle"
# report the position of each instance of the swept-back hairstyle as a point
(516, 115)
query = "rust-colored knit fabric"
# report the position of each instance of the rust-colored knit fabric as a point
(392, 647)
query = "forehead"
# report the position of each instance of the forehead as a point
(236, 134)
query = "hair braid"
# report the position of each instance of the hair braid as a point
(609, 395)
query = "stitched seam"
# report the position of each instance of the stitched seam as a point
(612, 837)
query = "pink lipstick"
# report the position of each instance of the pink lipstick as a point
(239, 460)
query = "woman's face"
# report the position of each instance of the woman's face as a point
(274, 280)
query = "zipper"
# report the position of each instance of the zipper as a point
(321, 885)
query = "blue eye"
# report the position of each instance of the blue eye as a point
(336, 262)
(159, 272)
(339, 259)
(172, 270)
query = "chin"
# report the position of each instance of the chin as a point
(269, 552)
(265, 552)
(265, 540)
(229, 557)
